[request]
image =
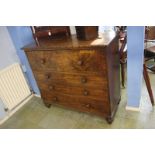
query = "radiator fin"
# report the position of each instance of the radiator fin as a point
(13, 86)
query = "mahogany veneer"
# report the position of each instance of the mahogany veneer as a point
(82, 75)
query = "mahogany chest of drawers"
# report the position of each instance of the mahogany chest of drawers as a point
(81, 75)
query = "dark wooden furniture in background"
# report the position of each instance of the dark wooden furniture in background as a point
(150, 32)
(82, 75)
(123, 57)
(86, 32)
(148, 84)
(49, 32)
(150, 47)
(149, 54)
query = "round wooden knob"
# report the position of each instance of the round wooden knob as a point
(51, 87)
(88, 105)
(42, 61)
(48, 76)
(83, 80)
(80, 62)
(55, 99)
(85, 92)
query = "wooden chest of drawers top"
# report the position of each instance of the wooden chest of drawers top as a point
(72, 43)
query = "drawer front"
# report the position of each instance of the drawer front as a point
(87, 92)
(93, 80)
(78, 103)
(68, 61)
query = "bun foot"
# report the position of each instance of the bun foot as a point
(47, 105)
(109, 119)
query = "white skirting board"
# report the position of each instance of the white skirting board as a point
(132, 108)
(37, 95)
(135, 108)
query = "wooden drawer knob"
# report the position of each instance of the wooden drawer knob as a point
(79, 63)
(85, 93)
(88, 105)
(55, 99)
(51, 87)
(83, 80)
(48, 76)
(42, 61)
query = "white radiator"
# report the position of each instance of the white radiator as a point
(13, 86)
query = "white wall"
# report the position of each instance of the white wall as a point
(8, 54)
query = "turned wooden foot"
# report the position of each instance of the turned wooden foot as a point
(48, 105)
(109, 119)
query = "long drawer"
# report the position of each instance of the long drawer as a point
(94, 80)
(68, 61)
(87, 92)
(78, 103)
